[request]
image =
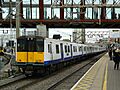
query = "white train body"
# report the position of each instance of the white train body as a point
(58, 51)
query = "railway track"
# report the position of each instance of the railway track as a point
(67, 82)
(53, 81)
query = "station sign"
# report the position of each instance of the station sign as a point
(115, 34)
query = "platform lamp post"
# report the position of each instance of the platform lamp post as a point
(17, 18)
(83, 35)
(18, 2)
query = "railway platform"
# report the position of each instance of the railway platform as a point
(101, 76)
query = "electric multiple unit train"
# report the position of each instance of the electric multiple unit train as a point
(35, 52)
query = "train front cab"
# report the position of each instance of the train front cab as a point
(30, 53)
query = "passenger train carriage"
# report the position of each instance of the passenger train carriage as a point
(36, 51)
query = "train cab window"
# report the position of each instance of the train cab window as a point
(40, 45)
(21, 45)
(31, 46)
(57, 49)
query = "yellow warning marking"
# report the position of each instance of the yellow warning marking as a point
(105, 80)
(81, 88)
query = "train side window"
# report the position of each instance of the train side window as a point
(80, 49)
(76, 48)
(88, 49)
(68, 48)
(85, 49)
(57, 49)
(65, 49)
(73, 48)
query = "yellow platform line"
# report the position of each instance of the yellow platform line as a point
(105, 79)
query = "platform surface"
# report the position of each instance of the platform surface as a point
(101, 76)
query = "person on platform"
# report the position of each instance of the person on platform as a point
(110, 53)
(116, 58)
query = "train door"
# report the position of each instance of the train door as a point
(62, 53)
(30, 50)
(82, 50)
(50, 50)
(71, 50)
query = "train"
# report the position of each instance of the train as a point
(35, 53)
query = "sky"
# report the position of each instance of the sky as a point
(91, 34)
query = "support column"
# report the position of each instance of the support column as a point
(103, 10)
(41, 9)
(82, 10)
(17, 18)
(83, 35)
(61, 9)
(0, 9)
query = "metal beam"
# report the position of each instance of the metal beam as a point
(41, 9)
(67, 5)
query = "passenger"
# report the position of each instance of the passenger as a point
(110, 53)
(116, 59)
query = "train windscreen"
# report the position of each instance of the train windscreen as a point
(21, 45)
(40, 45)
(30, 45)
